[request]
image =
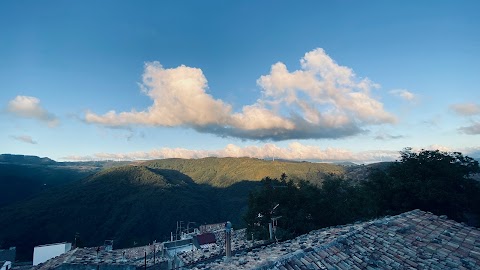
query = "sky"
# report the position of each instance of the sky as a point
(307, 80)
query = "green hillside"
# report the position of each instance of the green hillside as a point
(23, 181)
(130, 204)
(222, 172)
(23, 177)
(142, 202)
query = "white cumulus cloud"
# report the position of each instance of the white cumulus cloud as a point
(321, 100)
(29, 107)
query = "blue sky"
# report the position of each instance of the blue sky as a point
(317, 80)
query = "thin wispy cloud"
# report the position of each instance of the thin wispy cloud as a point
(472, 129)
(404, 94)
(434, 121)
(24, 138)
(385, 137)
(466, 109)
(471, 111)
(320, 100)
(30, 107)
(294, 151)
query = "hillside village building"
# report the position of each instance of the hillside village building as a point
(101, 258)
(412, 240)
(44, 253)
(5, 265)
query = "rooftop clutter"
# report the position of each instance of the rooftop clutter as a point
(133, 257)
(217, 249)
(412, 240)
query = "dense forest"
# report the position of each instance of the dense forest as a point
(435, 181)
(223, 172)
(24, 177)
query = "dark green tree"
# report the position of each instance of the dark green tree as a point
(430, 180)
(436, 181)
(280, 199)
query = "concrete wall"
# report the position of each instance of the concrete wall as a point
(46, 252)
(6, 265)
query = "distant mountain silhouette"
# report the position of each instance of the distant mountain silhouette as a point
(21, 159)
(22, 177)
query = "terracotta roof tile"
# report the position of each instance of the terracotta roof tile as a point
(412, 240)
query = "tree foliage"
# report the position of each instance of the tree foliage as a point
(302, 206)
(430, 180)
(435, 181)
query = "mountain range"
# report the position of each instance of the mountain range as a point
(131, 203)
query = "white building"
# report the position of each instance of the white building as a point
(6, 265)
(44, 253)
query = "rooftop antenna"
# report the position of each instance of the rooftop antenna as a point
(272, 226)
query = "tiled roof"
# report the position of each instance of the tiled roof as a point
(85, 256)
(206, 238)
(412, 240)
(215, 250)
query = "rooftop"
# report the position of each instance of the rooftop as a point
(412, 240)
(130, 256)
(54, 244)
(217, 249)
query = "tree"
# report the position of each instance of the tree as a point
(430, 180)
(435, 181)
(283, 199)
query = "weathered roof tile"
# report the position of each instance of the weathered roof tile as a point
(412, 240)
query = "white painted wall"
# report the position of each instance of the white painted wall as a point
(46, 252)
(7, 264)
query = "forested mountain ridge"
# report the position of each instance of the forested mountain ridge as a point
(130, 204)
(141, 202)
(23, 159)
(221, 172)
(22, 177)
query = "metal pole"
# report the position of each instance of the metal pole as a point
(270, 230)
(228, 240)
(145, 263)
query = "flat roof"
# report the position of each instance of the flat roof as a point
(54, 244)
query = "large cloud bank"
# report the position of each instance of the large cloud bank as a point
(294, 151)
(321, 100)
